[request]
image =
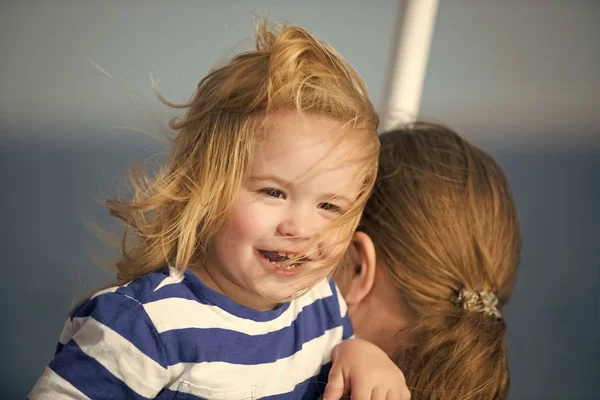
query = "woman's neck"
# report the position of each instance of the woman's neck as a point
(383, 317)
(384, 329)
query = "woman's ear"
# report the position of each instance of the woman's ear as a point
(360, 275)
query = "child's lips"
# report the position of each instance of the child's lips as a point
(276, 264)
(283, 255)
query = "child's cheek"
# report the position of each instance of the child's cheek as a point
(249, 220)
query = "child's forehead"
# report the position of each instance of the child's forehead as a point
(288, 124)
(305, 149)
(291, 130)
(309, 164)
(301, 146)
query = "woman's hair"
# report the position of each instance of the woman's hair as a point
(446, 232)
(174, 215)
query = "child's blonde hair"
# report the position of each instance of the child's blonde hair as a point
(446, 232)
(174, 216)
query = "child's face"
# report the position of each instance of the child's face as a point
(296, 186)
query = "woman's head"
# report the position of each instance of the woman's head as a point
(238, 111)
(444, 228)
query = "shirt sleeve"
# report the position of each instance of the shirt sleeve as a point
(109, 349)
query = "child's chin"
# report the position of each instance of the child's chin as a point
(281, 296)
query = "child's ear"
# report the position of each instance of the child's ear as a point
(361, 274)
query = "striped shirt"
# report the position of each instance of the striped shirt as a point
(169, 336)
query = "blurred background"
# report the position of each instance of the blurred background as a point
(519, 78)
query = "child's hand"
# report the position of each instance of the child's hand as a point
(365, 371)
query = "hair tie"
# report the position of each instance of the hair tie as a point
(484, 302)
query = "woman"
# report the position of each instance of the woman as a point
(433, 262)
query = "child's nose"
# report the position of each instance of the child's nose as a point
(297, 225)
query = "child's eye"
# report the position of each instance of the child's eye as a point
(331, 208)
(279, 194)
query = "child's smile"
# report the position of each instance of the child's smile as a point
(278, 258)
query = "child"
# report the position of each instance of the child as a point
(222, 294)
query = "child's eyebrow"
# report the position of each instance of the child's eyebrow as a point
(337, 197)
(272, 178)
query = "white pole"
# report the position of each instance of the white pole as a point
(406, 75)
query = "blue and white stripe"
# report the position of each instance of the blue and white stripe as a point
(170, 336)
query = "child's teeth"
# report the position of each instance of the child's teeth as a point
(281, 263)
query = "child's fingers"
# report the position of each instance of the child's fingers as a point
(399, 394)
(335, 385)
(379, 394)
(360, 393)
